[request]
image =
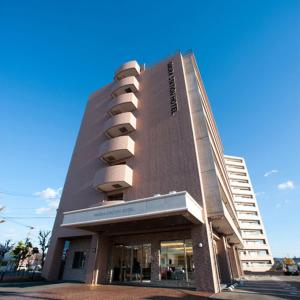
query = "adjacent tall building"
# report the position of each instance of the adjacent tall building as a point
(147, 198)
(256, 255)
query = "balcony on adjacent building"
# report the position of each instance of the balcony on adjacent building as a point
(242, 216)
(130, 68)
(120, 124)
(242, 208)
(124, 103)
(125, 85)
(250, 226)
(267, 258)
(113, 178)
(117, 149)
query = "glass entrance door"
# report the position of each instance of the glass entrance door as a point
(131, 263)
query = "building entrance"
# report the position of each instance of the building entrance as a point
(131, 263)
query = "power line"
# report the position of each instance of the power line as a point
(19, 223)
(21, 208)
(16, 194)
(29, 217)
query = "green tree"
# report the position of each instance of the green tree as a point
(22, 251)
(44, 238)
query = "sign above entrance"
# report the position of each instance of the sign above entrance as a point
(180, 203)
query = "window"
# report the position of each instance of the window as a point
(255, 242)
(250, 223)
(176, 260)
(233, 159)
(128, 90)
(247, 213)
(79, 260)
(115, 197)
(252, 232)
(237, 173)
(245, 204)
(239, 180)
(235, 167)
(241, 188)
(243, 196)
(257, 252)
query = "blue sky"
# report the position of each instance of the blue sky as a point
(53, 54)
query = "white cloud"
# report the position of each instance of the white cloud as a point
(52, 197)
(269, 173)
(286, 185)
(52, 205)
(49, 193)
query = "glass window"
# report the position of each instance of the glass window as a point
(78, 260)
(131, 262)
(177, 260)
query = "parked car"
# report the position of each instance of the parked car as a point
(289, 267)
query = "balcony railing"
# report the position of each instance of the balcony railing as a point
(130, 68)
(113, 178)
(120, 124)
(125, 85)
(124, 103)
(117, 149)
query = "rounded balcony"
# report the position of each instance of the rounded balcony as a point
(113, 178)
(117, 149)
(126, 85)
(120, 124)
(130, 68)
(123, 103)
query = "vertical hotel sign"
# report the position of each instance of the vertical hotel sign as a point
(172, 88)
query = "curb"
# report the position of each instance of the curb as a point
(231, 287)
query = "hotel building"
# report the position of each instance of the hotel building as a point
(147, 198)
(256, 255)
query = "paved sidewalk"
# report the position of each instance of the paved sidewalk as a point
(78, 291)
(252, 288)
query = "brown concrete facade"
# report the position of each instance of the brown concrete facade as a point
(176, 148)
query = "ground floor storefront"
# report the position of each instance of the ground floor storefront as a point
(160, 241)
(165, 258)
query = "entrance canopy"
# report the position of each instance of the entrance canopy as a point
(177, 204)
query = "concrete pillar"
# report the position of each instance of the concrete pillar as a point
(155, 260)
(92, 259)
(53, 259)
(206, 278)
(234, 266)
(223, 260)
(100, 272)
(238, 261)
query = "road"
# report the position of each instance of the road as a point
(265, 288)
